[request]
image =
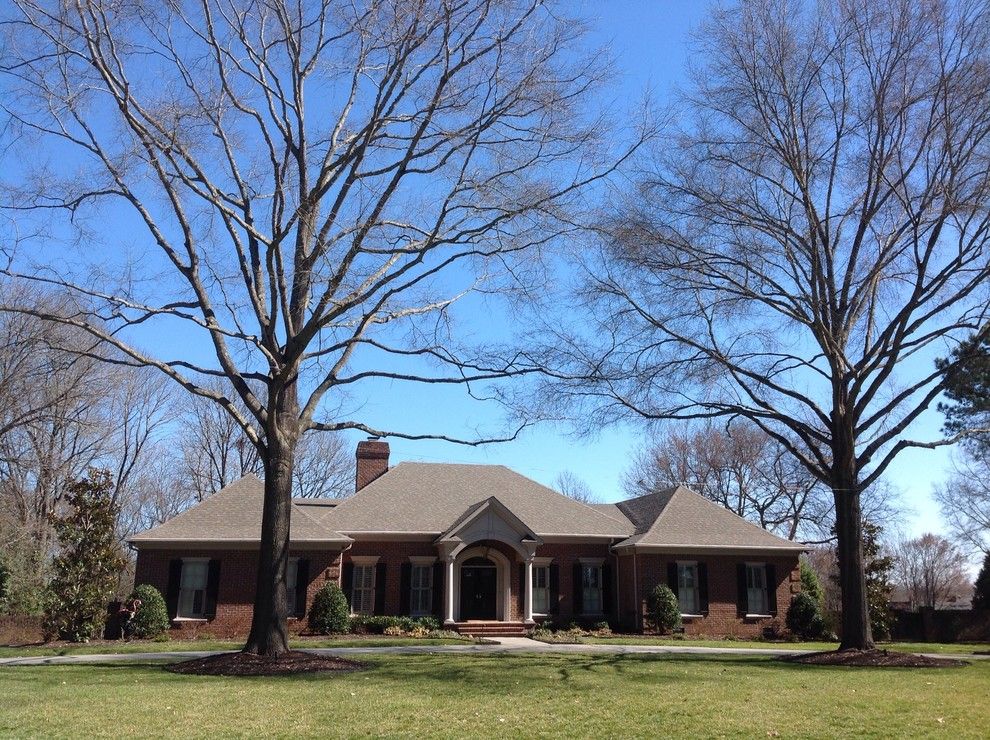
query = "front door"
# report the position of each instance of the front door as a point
(479, 581)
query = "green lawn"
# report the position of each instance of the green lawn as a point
(504, 696)
(908, 647)
(147, 646)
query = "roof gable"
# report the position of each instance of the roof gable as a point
(489, 520)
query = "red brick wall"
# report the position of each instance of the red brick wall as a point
(564, 556)
(723, 619)
(238, 574)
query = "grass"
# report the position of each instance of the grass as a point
(169, 646)
(907, 647)
(504, 695)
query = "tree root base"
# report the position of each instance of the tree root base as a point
(873, 659)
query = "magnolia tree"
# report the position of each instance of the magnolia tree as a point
(301, 191)
(816, 234)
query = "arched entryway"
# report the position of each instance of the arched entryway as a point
(479, 589)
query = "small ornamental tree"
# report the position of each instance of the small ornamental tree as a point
(981, 590)
(86, 569)
(664, 609)
(804, 617)
(330, 613)
(810, 583)
(151, 619)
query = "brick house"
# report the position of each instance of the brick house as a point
(480, 547)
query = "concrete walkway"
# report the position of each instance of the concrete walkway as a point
(503, 645)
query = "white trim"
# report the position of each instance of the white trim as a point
(422, 559)
(692, 616)
(542, 562)
(768, 551)
(503, 583)
(365, 559)
(758, 616)
(191, 620)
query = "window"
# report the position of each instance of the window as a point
(687, 587)
(541, 589)
(363, 597)
(291, 577)
(421, 598)
(756, 589)
(591, 589)
(192, 589)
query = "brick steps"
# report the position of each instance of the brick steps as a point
(491, 629)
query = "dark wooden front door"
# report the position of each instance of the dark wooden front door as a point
(479, 581)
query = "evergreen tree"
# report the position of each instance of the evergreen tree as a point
(981, 591)
(878, 568)
(968, 389)
(85, 571)
(810, 583)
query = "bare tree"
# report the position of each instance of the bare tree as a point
(752, 475)
(931, 569)
(965, 503)
(573, 487)
(315, 184)
(814, 236)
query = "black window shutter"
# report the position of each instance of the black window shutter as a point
(521, 595)
(606, 588)
(578, 587)
(405, 588)
(771, 588)
(672, 576)
(554, 589)
(172, 589)
(742, 600)
(438, 584)
(212, 589)
(703, 587)
(347, 583)
(380, 588)
(302, 585)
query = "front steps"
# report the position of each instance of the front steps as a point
(492, 629)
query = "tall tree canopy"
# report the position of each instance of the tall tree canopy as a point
(304, 190)
(814, 233)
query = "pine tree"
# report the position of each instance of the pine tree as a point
(981, 591)
(86, 569)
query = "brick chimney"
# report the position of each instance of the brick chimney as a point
(372, 461)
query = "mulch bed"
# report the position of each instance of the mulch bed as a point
(246, 664)
(873, 659)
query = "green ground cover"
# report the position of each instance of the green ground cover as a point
(505, 696)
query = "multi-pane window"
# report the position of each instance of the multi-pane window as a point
(421, 598)
(541, 590)
(687, 587)
(192, 588)
(591, 589)
(756, 589)
(363, 595)
(291, 576)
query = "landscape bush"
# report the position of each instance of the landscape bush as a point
(151, 619)
(804, 617)
(392, 625)
(664, 610)
(330, 613)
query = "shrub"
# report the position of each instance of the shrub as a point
(981, 590)
(151, 619)
(664, 609)
(330, 614)
(804, 617)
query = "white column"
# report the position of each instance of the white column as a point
(528, 593)
(449, 592)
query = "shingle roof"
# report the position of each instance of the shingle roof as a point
(233, 514)
(680, 517)
(429, 497)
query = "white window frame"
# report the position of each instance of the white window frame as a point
(763, 609)
(692, 609)
(367, 592)
(542, 563)
(592, 566)
(424, 590)
(291, 578)
(184, 610)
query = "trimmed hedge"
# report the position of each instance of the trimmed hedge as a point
(665, 611)
(377, 625)
(330, 614)
(151, 619)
